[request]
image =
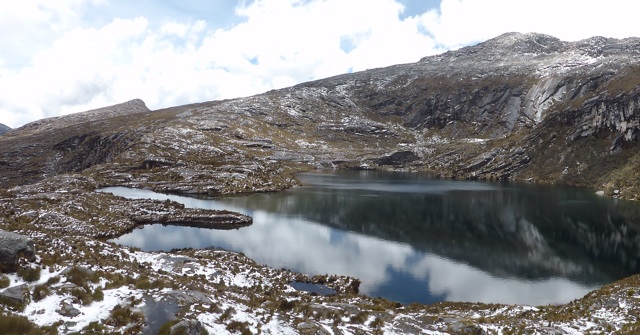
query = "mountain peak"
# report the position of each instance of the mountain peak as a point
(529, 43)
(507, 46)
(518, 36)
(129, 107)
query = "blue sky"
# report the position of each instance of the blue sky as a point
(66, 56)
(219, 13)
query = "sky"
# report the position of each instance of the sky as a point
(65, 56)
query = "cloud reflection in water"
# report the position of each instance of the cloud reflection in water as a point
(390, 269)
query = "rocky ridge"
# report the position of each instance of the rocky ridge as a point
(517, 107)
(520, 106)
(4, 128)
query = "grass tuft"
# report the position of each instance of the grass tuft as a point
(4, 281)
(122, 316)
(18, 325)
(239, 327)
(80, 276)
(165, 329)
(29, 274)
(40, 292)
(98, 295)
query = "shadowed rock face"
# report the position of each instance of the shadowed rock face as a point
(13, 247)
(519, 106)
(4, 128)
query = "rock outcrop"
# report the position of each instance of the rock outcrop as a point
(12, 248)
(187, 327)
(15, 297)
(197, 218)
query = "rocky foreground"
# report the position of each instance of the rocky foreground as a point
(518, 107)
(79, 283)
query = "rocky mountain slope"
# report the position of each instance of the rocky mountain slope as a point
(517, 107)
(520, 106)
(4, 128)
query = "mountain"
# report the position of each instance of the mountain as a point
(4, 128)
(516, 107)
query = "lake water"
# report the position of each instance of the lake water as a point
(410, 238)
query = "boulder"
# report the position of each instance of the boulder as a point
(14, 247)
(397, 158)
(187, 327)
(15, 297)
(463, 328)
(151, 163)
(311, 328)
(68, 310)
(190, 297)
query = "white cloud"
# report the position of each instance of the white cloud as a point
(280, 44)
(461, 22)
(73, 63)
(31, 25)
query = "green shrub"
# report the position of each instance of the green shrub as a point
(40, 292)
(29, 274)
(116, 280)
(237, 326)
(122, 316)
(52, 329)
(166, 327)
(98, 295)
(377, 323)
(82, 295)
(159, 284)
(286, 305)
(228, 313)
(52, 259)
(4, 281)
(94, 327)
(80, 276)
(360, 317)
(143, 283)
(213, 308)
(53, 280)
(18, 325)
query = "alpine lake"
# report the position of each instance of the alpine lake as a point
(411, 238)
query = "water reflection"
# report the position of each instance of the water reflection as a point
(412, 239)
(157, 313)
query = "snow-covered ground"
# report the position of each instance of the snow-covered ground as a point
(227, 292)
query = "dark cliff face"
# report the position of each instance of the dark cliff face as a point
(501, 86)
(519, 106)
(67, 144)
(571, 106)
